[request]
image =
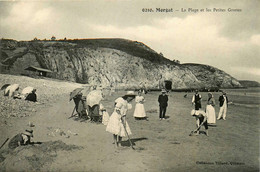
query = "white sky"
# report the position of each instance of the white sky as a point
(229, 41)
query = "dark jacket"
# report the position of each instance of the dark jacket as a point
(163, 100)
(31, 97)
(197, 98)
(221, 100)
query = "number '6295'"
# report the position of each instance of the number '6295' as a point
(147, 10)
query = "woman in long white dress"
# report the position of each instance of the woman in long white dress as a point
(139, 112)
(210, 110)
(117, 124)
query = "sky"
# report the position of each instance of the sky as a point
(228, 40)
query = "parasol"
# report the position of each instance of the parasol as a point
(11, 89)
(75, 92)
(4, 86)
(27, 90)
(94, 97)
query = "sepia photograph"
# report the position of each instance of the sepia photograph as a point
(129, 85)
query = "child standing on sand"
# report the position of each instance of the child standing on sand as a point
(117, 124)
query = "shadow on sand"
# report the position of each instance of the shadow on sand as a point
(82, 119)
(126, 143)
(212, 125)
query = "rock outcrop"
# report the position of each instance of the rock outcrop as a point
(111, 62)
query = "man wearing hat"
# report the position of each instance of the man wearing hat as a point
(117, 124)
(196, 100)
(163, 103)
(223, 103)
(201, 117)
(21, 139)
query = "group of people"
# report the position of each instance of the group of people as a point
(28, 93)
(208, 116)
(117, 124)
(95, 112)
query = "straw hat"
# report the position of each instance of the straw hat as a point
(28, 132)
(130, 94)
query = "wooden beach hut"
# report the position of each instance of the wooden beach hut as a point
(40, 71)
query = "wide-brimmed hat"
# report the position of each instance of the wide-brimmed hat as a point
(28, 132)
(130, 94)
(164, 91)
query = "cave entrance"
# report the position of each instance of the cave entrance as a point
(168, 84)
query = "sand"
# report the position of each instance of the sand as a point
(233, 145)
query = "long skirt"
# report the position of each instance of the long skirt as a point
(139, 111)
(210, 110)
(115, 125)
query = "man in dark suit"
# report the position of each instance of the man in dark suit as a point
(196, 100)
(223, 103)
(163, 103)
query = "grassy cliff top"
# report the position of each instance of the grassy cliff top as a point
(134, 48)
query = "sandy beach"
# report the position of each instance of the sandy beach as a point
(78, 145)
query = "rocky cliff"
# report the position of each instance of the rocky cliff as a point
(111, 62)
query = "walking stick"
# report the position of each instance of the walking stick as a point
(4, 143)
(128, 135)
(196, 129)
